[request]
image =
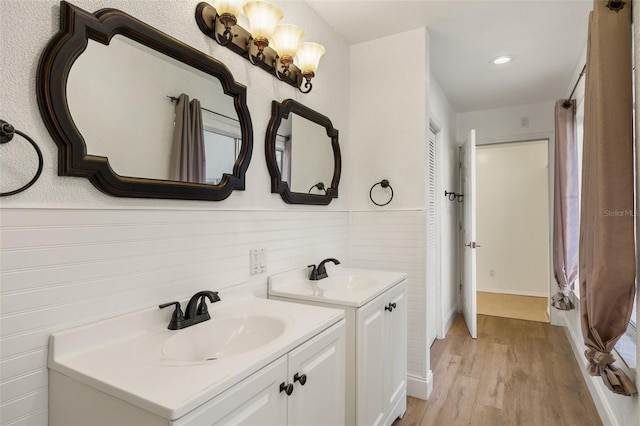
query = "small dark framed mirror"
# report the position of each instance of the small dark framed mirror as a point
(119, 98)
(303, 154)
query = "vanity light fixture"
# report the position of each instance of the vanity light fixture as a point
(286, 39)
(228, 12)
(502, 59)
(307, 59)
(263, 18)
(274, 48)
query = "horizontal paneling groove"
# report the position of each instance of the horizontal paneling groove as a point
(35, 417)
(64, 268)
(32, 402)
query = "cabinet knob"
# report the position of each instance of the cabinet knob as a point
(390, 307)
(288, 389)
(302, 378)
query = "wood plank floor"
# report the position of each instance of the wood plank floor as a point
(513, 306)
(516, 373)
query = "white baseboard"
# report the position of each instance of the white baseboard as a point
(419, 387)
(605, 410)
(448, 320)
(514, 292)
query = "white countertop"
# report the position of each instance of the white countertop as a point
(295, 284)
(122, 356)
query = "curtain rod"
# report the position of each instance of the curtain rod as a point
(567, 103)
(174, 99)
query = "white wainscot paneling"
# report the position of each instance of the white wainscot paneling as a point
(396, 241)
(66, 267)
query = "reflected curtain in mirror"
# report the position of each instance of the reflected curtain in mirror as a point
(187, 161)
(566, 213)
(607, 246)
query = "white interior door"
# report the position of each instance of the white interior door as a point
(468, 291)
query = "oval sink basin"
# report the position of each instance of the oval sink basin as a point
(347, 282)
(222, 337)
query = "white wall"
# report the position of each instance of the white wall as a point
(389, 125)
(504, 124)
(389, 118)
(72, 255)
(512, 219)
(390, 114)
(444, 117)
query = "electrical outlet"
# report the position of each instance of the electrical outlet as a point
(258, 261)
(524, 122)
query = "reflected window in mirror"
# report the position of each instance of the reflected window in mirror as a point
(283, 156)
(303, 154)
(221, 152)
(106, 85)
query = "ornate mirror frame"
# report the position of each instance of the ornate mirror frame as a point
(76, 28)
(280, 111)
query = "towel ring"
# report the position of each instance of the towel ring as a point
(6, 135)
(384, 183)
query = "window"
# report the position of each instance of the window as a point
(221, 152)
(627, 345)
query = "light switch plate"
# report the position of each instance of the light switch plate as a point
(258, 261)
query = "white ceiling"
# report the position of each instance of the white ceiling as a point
(547, 38)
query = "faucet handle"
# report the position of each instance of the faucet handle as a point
(176, 317)
(314, 272)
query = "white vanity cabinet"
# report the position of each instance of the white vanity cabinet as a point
(117, 372)
(259, 400)
(381, 360)
(376, 345)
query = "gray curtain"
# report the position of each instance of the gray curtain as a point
(187, 163)
(566, 208)
(607, 251)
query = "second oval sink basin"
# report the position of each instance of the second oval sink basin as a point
(347, 282)
(222, 337)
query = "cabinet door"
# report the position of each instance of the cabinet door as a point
(319, 363)
(256, 400)
(396, 372)
(370, 355)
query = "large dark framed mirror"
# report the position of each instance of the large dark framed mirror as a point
(139, 113)
(303, 154)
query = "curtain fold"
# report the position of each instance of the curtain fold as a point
(566, 214)
(187, 162)
(607, 251)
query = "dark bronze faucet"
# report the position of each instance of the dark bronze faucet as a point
(321, 271)
(194, 313)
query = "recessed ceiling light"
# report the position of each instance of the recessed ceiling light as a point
(501, 60)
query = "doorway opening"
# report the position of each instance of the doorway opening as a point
(514, 229)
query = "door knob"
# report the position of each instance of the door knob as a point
(302, 378)
(286, 388)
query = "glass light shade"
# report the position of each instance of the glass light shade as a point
(263, 17)
(286, 38)
(308, 56)
(232, 7)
